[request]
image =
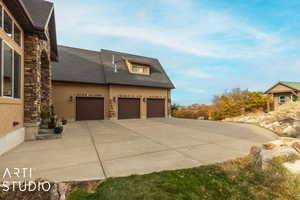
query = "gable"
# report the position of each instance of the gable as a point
(280, 88)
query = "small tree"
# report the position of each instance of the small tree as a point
(237, 102)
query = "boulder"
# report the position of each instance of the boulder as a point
(296, 146)
(290, 131)
(62, 189)
(265, 156)
(293, 167)
(255, 151)
(296, 124)
(297, 116)
(54, 195)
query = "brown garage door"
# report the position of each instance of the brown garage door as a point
(89, 108)
(128, 108)
(155, 108)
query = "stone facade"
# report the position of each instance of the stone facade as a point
(37, 81)
(112, 109)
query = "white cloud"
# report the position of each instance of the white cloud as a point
(203, 32)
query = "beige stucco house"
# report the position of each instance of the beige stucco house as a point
(80, 85)
(284, 92)
(27, 48)
(95, 85)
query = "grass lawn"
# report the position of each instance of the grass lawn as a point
(234, 180)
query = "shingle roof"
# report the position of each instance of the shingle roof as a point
(78, 65)
(295, 85)
(157, 78)
(39, 11)
(38, 17)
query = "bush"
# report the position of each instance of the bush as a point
(238, 102)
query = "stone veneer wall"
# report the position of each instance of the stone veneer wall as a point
(37, 68)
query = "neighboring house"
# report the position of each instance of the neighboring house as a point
(95, 85)
(27, 48)
(284, 92)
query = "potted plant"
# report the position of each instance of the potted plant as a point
(45, 115)
(59, 128)
(64, 121)
(52, 122)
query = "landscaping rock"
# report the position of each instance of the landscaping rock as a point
(62, 189)
(54, 195)
(266, 156)
(268, 151)
(296, 146)
(293, 167)
(284, 121)
(290, 131)
(255, 150)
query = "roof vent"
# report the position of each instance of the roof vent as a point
(114, 64)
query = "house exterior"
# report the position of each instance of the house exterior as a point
(27, 48)
(284, 92)
(97, 85)
(81, 85)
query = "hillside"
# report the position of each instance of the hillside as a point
(284, 121)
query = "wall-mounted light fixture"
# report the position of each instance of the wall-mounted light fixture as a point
(16, 123)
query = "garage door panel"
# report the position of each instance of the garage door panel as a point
(128, 108)
(155, 108)
(88, 108)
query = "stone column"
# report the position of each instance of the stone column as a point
(46, 80)
(169, 104)
(32, 95)
(37, 82)
(112, 108)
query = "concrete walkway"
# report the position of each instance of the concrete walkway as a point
(99, 149)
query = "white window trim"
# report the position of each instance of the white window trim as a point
(141, 67)
(13, 26)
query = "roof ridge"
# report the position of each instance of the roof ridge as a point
(64, 46)
(289, 81)
(128, 54)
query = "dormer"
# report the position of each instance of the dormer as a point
(135, 67)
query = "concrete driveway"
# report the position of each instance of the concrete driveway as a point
(99, 149)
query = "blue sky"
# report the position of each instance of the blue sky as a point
(206, 46)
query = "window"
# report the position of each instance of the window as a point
(1, 11)
(282, 99)
(10, 73)
(8, 24)
(17, 34)
(17, 75)
(1, 84)
(140, 69)
(7, 71)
